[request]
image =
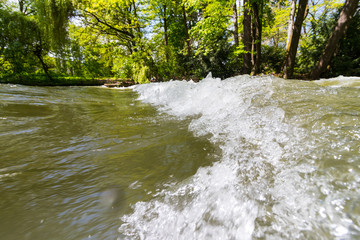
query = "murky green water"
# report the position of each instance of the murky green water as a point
(62, 147)
(244, 158)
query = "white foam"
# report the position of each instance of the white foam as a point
(258, 187)
(340, 81)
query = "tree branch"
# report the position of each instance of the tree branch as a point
(109, 26)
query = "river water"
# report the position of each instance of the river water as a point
(242, 158)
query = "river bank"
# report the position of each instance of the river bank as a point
(43, 80)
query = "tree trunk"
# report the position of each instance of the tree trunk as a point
(294, 41)
(253, 36)
(21, 6)
(257, 37)
(37, 53)
(346, 15)
(38, 50)
(166, 38)
(186, 31)
(291, 24)
(236, 25)
(138, 28)
(247, 38)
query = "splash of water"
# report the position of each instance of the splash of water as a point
(269, 181)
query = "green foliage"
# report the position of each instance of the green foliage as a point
(65, 40)
(40, 79)
(28, 35)
(87, 54)
(19, 38)
(346, 61)
(5, 67)
(142, 73)
(53, 17)
(213, 38)
(312, 47)
(212, 27)
(273, 58)
(276, 15)
(220, 61)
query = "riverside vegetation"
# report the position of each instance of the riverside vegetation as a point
(68, 42)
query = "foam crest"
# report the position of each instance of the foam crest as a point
(261, 186)
(340, 81)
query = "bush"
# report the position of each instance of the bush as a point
(272, 59)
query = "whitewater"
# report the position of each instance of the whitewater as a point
(289, 164)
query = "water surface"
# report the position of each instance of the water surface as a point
(243, 158)
(63, 148)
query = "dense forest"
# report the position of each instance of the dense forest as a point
(58, 40)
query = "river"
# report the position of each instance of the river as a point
(242, 158)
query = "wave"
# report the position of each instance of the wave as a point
(270, 181)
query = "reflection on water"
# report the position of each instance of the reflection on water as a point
(74, 159)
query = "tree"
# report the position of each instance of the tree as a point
(21, 41)
(169, 39)
(294, 41)
(252, 37)
(236, 25)
(346, 15)
(186, 29)
(211, 35)
(160, 12)
(117, 20)
(53, 19)
(290, 24)
(256, 35)
(247, 38)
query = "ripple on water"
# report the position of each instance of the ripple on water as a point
(24, 110)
